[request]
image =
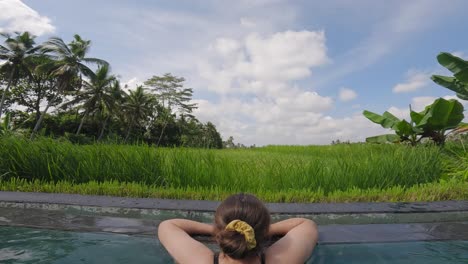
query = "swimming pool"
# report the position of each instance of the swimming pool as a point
(59, 228)
(28, 245)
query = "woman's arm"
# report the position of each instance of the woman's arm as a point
(281, 228)
(298, 242)
(192, 227)
(175, 236)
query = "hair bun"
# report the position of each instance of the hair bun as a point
(233, 244)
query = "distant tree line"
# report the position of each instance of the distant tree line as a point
(55, 89)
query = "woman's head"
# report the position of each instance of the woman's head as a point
(246, 208)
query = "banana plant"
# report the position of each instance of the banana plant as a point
(459, 67)
(5, 126)
(404, 130)
(433, 122)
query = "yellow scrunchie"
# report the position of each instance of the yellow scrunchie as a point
(245, 229)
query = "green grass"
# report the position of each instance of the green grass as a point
(354, 172)
(438, 191)
(324, 168)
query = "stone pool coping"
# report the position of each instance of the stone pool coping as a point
(210, 206)
(328, 234)
(446, 220)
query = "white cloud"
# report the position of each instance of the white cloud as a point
(402, 113)
(414, 81)
(262, 123)
(257, 63)
(285, 55)
(16, 16)
(254, 77)
(305, 102)
(132, 83)
(347, 94)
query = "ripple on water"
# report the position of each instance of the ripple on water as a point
(30, 246)
(10, 255)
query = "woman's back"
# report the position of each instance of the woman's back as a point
(241, 229)
(261, 258)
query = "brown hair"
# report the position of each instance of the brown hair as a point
(247, 208)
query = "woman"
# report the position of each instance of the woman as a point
(241, 229)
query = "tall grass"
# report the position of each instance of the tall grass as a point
(318, 169)
(434, 191)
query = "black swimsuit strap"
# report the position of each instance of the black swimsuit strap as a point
(216, 256)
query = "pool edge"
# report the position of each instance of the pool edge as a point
(210, 206)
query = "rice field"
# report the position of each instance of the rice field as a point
(318, 170)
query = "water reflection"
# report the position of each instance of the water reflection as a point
(436, 252)
(28, 246)
(21, 245)
(25, 245)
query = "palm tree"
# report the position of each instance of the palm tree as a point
(137, 107)
(116, 94)
(96, 95)
(67, 66)
(16, 52)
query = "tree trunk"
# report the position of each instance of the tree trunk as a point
(162, 132)
(38, 123)
(2, 102)
(128, 131)
(103, 128)
(81, 123)
(37, 104)
(37, 108)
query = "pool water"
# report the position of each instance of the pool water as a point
(26, 245)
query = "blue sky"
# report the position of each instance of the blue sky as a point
(269, 71)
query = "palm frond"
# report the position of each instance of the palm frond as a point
(96, 61)
(4, 50)
(56, 45)
(86, 71)
(5, 35)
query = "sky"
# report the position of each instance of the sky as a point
(269, 71)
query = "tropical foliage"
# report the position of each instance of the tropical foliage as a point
(433, 123)
(17, 52)
(459, 67)
(87, 101)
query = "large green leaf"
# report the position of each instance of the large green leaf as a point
(388, 138)
(456, 65)
(441, 115)
(387, 120)
(416, 117)
(403, 128)
(451, 83)
(391, 117)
